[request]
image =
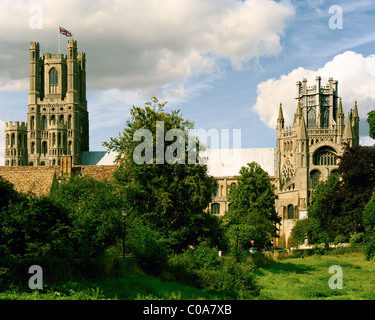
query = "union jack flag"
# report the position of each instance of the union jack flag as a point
(65, 32)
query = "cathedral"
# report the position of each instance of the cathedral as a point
(57, 117)
(306, 152)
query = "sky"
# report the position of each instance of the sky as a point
(226, 64)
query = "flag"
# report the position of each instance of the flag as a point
(65, 32)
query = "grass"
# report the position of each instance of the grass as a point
(288, 279)
(307, 279)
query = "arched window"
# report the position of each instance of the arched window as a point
(53, 80)
(325, 117)
(69, 121)
(325, 157)
(290, 212)
(314, 178)
(44, 123)
(32, 147)
(12, 139)
(32, 123)
(215, 208)
(311, 118)
(61, 118)
(44, 148)
(53, 119)
(7, 140)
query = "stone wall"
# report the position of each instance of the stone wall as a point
(38, 180)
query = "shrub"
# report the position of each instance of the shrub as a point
(149, 249)
(203, 256)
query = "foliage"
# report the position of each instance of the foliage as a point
(94, 211)
(7, 193)
(369, 224)
(371, 123)
(338, 205)
(309, 228)
(35, 227)
(149, 249)
(252, 207)
(172, 198)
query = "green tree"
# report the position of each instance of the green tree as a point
(94, 209)
(371, 122)
(7, 193)
(172, 198)
(252, 207)
(368, 216)
(35, 227)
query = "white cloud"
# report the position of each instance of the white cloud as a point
(144, 45)
(2, 142)
(366, 141)
(354, 72)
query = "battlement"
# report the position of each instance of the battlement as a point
(16, 126)
(59, 56)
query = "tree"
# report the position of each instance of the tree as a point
(35, 227)
(371, 122)
(368, 217)
(171, 196)
(94, 209)
(7, 193)
(252, 208)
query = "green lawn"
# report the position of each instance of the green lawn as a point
(307, 278)
(289, 279)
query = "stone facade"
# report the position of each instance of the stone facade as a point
(57, 117)
(309, 150)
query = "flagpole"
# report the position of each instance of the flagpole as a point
(59, 40)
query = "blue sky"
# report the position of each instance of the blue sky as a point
(226, 64)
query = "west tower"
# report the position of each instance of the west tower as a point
(57, 116)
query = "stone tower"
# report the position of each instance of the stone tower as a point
(57, 117)
(308, 151)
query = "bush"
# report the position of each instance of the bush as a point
(203, 256)
(149, 249)
(339, 239)
(319, 251)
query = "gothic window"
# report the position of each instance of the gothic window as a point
(44, 123)
(7, 140)
(288, 172)
(314, 178)
(215, 208)
(61, 118)
(44, 148)
(69, 121)
(290, 212)
(12, 140)
(32, 123)
(70, 148)
(53, 119)
(311, 117)
(325, 117)
(325, 157)
(19, 140)
(32, 147)
(53, 80)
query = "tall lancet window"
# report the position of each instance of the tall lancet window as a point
(311, 117)
(325, 117)
(53, 80)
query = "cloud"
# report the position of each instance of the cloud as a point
(354, 72)
(2, 143)
(143, 45)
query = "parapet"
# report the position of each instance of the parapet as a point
(16, 126)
